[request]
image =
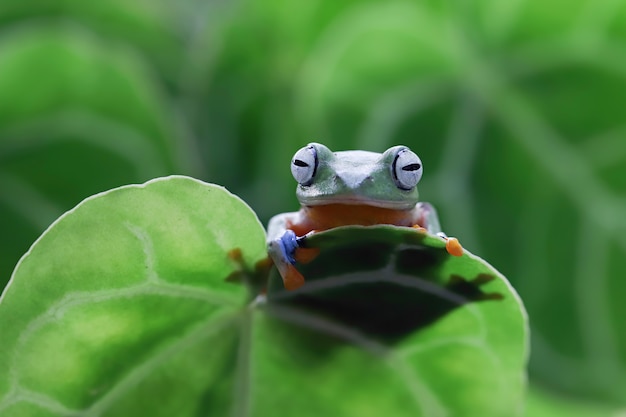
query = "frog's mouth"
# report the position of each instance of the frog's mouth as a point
(358, 201)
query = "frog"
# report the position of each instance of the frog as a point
(349, 188)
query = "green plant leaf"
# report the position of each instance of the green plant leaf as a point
(126, 294)
(451, 328)
(122, 307)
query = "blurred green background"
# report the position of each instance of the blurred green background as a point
(517, 109)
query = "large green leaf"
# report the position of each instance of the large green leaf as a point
(123, 300)
(122, 307)
(452, 323)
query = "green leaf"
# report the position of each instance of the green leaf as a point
(125, 295)
(450, 328)
(122, 307)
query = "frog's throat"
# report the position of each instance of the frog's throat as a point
(329, 216)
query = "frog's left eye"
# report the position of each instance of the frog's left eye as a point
(304, 165)
(407, 169)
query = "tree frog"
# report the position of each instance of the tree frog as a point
(350, 188)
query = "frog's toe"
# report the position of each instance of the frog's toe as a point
(292, 279)
(453, 246)
(419, 228)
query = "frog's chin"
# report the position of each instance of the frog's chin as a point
(355, 201)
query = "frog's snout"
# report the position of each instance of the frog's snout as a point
(354, 179)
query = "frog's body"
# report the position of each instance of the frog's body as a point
(350, 188)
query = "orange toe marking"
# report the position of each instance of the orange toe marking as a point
(235, 254)
(453, 246)
(292, 279)
(419, 228)
(306, 255)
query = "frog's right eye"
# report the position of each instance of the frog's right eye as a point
(304, 165)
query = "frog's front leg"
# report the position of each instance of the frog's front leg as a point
(429, 220)
(281, 245)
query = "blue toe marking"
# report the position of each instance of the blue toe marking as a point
(288, 244)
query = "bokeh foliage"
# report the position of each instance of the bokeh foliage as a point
(515, 107)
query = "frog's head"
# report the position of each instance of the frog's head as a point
(387, 180)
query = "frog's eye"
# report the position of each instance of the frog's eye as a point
(407, 169)
(304, 165)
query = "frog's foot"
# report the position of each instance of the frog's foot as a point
(419, 228)
(255, 277)
(236, 255)
(303, 254)
(306, 255)
(287, 245)
(292, 279)
(239, 274)
(453, 246)
(283, 252)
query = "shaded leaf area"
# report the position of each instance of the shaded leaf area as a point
(543, 403)
(122, 308)
(385, 281)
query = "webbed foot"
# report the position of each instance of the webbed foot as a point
(283, 252)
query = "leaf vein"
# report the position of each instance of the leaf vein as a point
(209, 327)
